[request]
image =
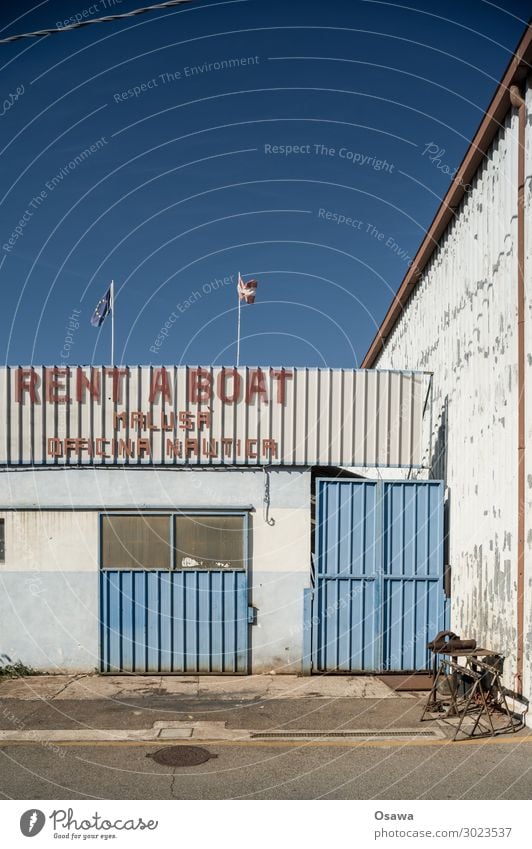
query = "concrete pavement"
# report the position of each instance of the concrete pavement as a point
(103, 708)
(230, 687)
(113, 708)
(91, 736)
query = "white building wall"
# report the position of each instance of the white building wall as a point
(527, 672)
(461, 323)
(49, 581)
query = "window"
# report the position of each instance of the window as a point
(136, 542)
(199, 541)
(2, 541)
(209, 541)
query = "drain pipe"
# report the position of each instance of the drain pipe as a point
(518, 102)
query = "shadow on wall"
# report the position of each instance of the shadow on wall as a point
(438, 465)
(438, 461)
(520, 704)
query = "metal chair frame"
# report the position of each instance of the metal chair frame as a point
(476, 701)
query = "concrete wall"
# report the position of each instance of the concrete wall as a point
(461, 323)
(49, 582)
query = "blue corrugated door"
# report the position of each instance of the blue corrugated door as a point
(379, 579)
(413, 600)
(174, 621)
(346, 599)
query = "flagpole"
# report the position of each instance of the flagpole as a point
(112, 323)
(238, 327)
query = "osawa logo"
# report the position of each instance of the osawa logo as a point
(32, 822)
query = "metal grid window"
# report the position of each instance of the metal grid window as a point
(209, 542)
(136, 542)
(185, 541)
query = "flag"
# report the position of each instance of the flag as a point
(247, 291)
(103, 308)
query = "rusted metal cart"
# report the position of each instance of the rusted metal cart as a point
(469, 691)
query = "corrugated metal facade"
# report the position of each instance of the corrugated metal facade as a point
(461, 323)
(211, 416)
(527, 671)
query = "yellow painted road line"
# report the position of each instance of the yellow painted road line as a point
(278, 744)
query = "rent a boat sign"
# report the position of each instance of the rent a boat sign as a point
(210, 415)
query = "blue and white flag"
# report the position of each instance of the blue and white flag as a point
(103, 308)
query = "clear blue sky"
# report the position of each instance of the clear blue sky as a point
(184, 187)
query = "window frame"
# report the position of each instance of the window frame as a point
(171, 515)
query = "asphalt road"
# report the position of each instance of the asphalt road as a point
(420, 769)
(410, 770)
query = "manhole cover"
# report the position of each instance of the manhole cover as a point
(181, 756)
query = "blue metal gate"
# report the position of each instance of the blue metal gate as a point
(174, 621)
(378, 594)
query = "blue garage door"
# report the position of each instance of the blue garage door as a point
(378, 594)
(183, 608)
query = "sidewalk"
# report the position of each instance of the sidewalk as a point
(99, 708)
(230, 687)
(90, 708)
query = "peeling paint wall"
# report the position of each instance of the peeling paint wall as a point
(527, 672)
(461, 323)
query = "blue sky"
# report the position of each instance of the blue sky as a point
(285, 140)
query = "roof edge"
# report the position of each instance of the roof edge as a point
(517, 70)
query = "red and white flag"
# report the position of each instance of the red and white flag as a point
(247, 290)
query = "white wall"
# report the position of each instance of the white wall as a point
(49, 582)
(527, 677)
(461, 323)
